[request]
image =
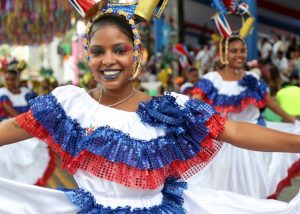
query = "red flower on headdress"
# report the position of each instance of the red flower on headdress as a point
(86, 7)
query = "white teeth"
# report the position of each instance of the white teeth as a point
(109, 73)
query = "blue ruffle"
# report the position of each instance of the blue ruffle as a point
(4, 98)
(185, 130)
(172, 201)
(253, 89)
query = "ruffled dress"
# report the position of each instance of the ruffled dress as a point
(256, 174)
(29, 161)
(129, 162)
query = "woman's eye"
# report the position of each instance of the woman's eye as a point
(97, 51)
(120, 51)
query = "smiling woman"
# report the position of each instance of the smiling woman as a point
(113, 60)
(240, 95)
(111, 55)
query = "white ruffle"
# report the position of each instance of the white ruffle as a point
(25, 161)
(27, 199)
(80, 106)
(228, 88)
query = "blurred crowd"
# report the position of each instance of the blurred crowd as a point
(278, 64)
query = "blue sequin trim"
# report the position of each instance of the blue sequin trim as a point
(185, 130)
(128, 9)
(172, 201)
(254, 89)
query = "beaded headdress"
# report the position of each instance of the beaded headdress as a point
(134, 11)
(228, 7)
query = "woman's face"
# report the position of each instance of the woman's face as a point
(11, 81)
(237, 54)
(111, 57)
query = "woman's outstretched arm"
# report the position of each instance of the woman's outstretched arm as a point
(278, 110)
(254, 137)
(11, 132)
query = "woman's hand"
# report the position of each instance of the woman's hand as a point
(289, 119)
(278, 110)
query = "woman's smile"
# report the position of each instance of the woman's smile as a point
(111, 74)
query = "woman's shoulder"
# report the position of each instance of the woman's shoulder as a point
(3, 91)
(212, 75)
(68, 97)
(67, 89)
(254, 74)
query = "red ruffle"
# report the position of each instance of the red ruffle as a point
(122, 173)
(293, 172)
(234, 109)
(49, 171)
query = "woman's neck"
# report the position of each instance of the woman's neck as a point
(14, 90)
(116, 98)
(232, 74)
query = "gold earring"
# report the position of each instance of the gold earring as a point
(137, 70)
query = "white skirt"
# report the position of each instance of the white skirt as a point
(19, 198)
(251, 173)
(29, 161)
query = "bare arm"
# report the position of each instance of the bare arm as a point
(11, 132)
(278, 110)
(10, 110)
(254, 137)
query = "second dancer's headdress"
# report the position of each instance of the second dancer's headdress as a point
(227, 7)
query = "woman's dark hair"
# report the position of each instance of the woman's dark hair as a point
(13, 72)
(112, 19)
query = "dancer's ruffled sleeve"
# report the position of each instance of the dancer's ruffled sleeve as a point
(249, 90)
(191, 129)
(48, 121)
(187, 145)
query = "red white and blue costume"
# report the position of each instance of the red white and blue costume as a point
(29, 161)
(256, 174)
(128, 162)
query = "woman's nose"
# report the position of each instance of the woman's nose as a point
(108, 59)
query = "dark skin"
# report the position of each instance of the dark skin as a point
(130, 105)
